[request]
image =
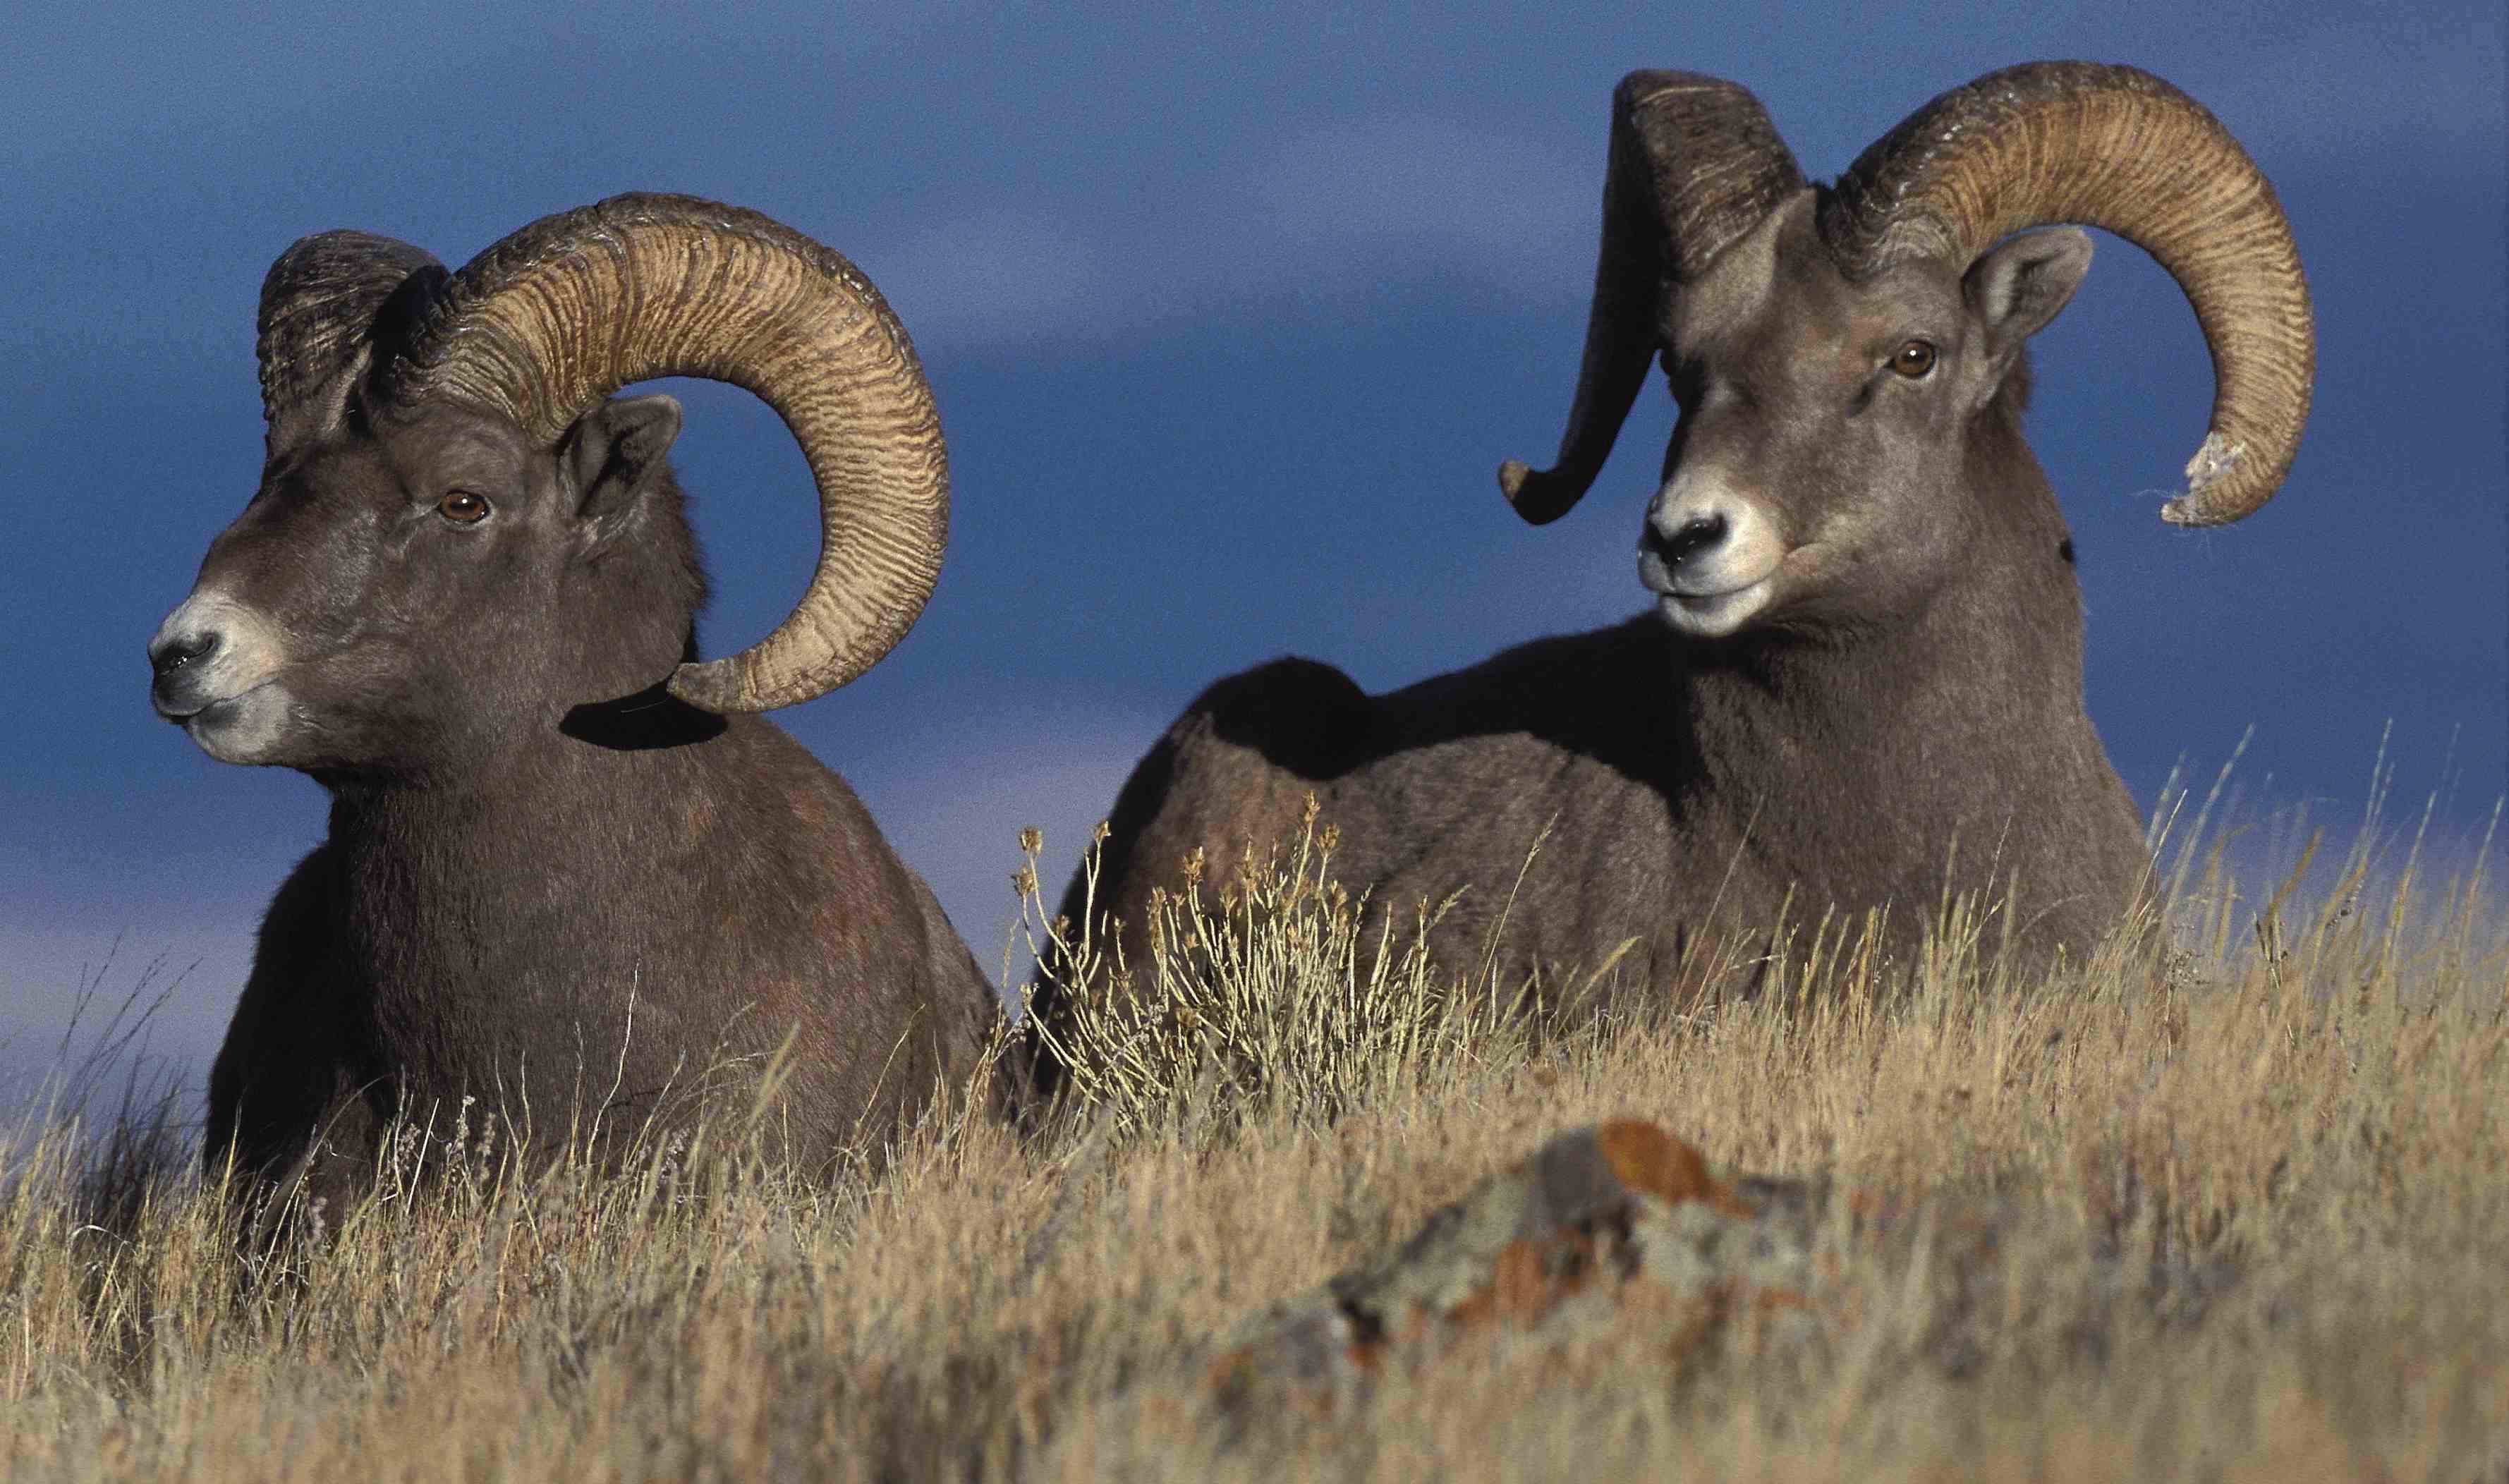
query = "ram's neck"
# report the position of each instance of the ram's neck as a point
(559, 803)
(536, 908)
(1991, 668)
(1951, 749)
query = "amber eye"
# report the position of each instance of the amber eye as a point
(463, 508)
(1913, 359)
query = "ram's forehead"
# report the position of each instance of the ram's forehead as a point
(406, 446)
(333, 468)
(1781, 281)
(1779, 294)
(1731, 296)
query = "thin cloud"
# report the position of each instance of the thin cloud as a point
(1361, 207)
(1443, 190)
(1000, 275)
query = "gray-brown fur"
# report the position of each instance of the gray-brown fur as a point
(1888, 709)
(549, 883)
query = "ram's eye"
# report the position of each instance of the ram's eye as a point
(463, 508)
(1913, 359)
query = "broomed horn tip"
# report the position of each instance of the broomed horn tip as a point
(1539, 496)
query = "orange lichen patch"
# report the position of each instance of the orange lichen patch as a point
(1647, 1159)
(1528, 1279)
(1520, 1283)
(1367, 1351)
(1479, 1309)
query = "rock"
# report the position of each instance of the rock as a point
(1612, 1225)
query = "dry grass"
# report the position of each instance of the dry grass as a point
(2249, 1197)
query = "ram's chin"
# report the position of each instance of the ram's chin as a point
(1716, 617)
(251, 729)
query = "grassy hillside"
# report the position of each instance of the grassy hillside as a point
(2231, 1202)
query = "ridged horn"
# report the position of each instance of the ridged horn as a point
(318, 306)
(1694, 166)
(543, 325)
(2116, 148)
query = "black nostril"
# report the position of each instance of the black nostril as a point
(183, 649)
(1696, 534)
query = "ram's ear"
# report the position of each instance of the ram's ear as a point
(617, 454)
(2016, 288)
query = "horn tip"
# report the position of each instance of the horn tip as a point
(1540, 495)
(2202, 505)
(1536, 494)
(715, 685)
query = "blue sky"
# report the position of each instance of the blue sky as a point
(1230, 318)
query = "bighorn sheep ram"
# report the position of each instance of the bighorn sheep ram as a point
(1862, 683)
(567, 870)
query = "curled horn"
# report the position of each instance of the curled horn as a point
(1694, 166)
(2116, 148)
(543, 325)
(319, 307)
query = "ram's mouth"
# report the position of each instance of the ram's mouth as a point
(1713, 616)
(1704, 604)
(1710, 604)
(244, 726)
(186, 713)
(217, 712)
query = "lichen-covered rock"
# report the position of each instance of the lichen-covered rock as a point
(1614, 1274)
(1620, 1224)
